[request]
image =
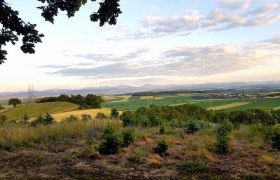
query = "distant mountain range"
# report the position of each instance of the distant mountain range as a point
(108, 90)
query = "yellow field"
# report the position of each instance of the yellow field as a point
(125, 99)
(78, 113)
(146, 97)
(109, 97)
(276, 108)
(226, 106)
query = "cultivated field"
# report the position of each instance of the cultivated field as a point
(202, 100)
(78, 113)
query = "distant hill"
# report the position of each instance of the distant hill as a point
(108, 90)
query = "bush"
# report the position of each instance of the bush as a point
(71, 118)
(25, 118)
(128, 137)
(222, 137)
(175, 123)
(109, 130)
(86, 117)
(162, 129)
(276, 136)
(44, 120)
(191, 126)
(100, 116)
(3, 118)
(114, 113)
(191, 166)
(111, 144)
(161, 147)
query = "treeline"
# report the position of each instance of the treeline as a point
(161, 93)
(156, 115)
(88, 101)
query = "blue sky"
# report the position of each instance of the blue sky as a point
(155, 42)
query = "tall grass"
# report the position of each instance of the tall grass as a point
(16, 135)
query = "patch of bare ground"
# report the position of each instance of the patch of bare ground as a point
(246, 161)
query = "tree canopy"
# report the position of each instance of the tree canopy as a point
(12, 26)
(15, 101)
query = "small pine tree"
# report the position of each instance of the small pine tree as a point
(48, 119)
(161, 147)
(114, 113)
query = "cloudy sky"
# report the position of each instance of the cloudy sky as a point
(155, 42)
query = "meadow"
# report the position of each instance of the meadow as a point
(34, 110)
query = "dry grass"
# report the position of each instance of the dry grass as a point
(125, 99)
(20, 135)
(147, 97)
(226, 106)
(78, 113)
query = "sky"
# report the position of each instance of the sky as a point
(158, 42)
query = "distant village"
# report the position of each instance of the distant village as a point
(235, 95)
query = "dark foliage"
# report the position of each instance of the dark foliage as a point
(161, 147)
(128, 136)
(13, 26)
(191, 126)
(114, 113)
(15, 101)
(43, 120)
(223, 132)
(90, 101)
(112, 141)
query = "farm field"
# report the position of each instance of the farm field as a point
(135, 102)
(34, 110)
(92, 112)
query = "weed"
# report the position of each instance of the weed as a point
(135, 157)
(161, 147)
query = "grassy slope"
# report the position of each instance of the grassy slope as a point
(37, 109)
(72, 154)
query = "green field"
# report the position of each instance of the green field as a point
(135, 102)
(34, 110)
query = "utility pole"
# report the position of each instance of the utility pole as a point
(30, 94)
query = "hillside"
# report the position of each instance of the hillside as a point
(34, 110)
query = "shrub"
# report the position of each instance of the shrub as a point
(109, 130)
(114, 113)
(191, 126)
(100, 116)
(3, 118)
(44, 120)
(175, 123)
(128, 137)
(161, 147)
(276, 136)
(162, 129)
(191, 166)
(222, 137)
(86, 117)
(71, 118)
(25, 118)
(111, 144)
(48, 119)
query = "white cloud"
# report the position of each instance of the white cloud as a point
(235, 4)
